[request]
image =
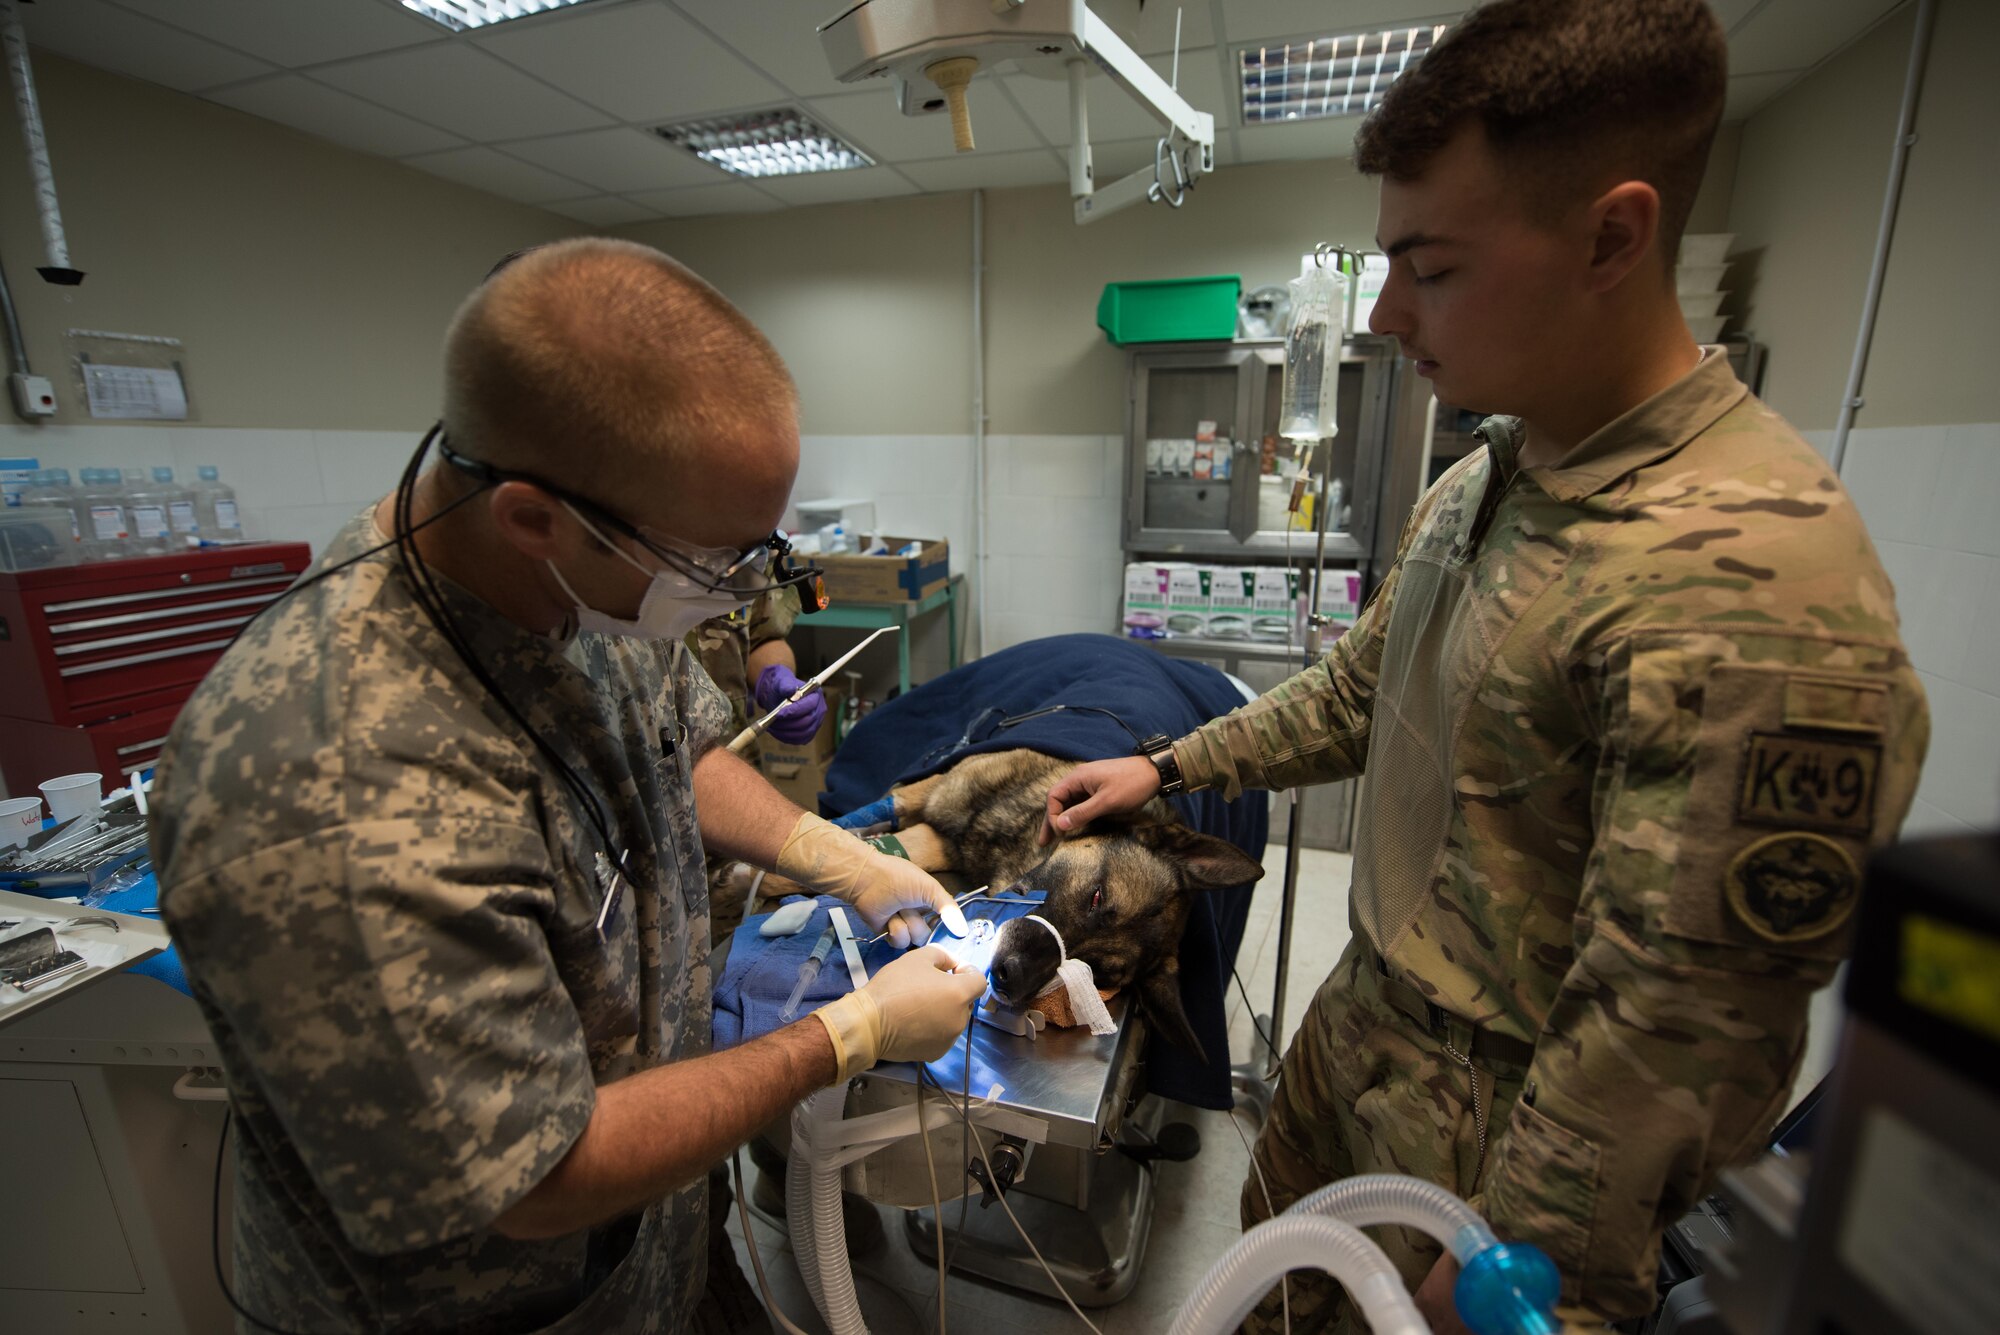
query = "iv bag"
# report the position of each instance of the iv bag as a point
(1312, 356)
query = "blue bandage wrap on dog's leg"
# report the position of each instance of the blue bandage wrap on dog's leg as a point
(882, 811)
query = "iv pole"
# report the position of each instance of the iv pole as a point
(1349, 263)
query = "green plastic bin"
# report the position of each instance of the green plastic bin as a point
(1170, 310)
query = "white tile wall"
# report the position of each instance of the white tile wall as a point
(291, 485)
(1931, 498)
(1053, 556)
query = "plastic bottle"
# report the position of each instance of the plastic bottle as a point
(215, 506)
(49, 489)
(105, 533)
(146, 508)
(182, 523)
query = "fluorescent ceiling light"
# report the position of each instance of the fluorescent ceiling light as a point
(1329, 76)
(784, 142)
(458, 15)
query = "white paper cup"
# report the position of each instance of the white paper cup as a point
(20, 817)
(72, 795)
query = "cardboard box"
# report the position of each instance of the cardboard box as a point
(798, 770)
(1188, 598)
(892, 578)
(1232, 602)
(1340, 595)
(1146, 599)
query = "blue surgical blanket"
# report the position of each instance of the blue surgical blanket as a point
(1140, 691)
(761, 971)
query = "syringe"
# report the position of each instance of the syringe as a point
(808, 971)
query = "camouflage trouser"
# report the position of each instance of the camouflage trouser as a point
(1364, 1089)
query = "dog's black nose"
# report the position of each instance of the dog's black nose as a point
(1003, 971)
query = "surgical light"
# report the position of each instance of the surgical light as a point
(783, 142)
(1329, 76)
(460, 15)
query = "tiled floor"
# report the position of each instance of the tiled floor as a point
(1195, 1216)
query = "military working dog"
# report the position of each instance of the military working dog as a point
(1119, 894)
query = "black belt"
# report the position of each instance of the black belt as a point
(1438, 1022)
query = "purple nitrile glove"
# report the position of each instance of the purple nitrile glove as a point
(801, 721)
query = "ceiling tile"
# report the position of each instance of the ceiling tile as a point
(497, 174)
(294, 100)
(1260, 20)
(640, 62)
(1748, 93)
(296, 34)
(1114, 113)
(1797, 34)
(603, 211)
(837, 187)
(780, 36)
(462, 89)
(618, 161)
(1330, 138)
(111, 39)
(997, 171)
(871, 121)
(701, 200)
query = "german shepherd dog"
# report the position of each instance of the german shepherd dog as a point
(1119, 894)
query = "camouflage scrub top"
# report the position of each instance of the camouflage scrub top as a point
(387, 905)
(725, 644)
(1629, 725)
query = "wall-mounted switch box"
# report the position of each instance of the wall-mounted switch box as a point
(34, 396)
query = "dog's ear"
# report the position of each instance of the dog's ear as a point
(1202, 861)
(1160, 999)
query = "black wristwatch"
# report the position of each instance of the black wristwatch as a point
(1159, 748)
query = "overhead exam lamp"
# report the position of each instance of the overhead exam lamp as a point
(932, 48)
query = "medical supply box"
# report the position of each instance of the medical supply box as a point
(798, 770)
(913, 569)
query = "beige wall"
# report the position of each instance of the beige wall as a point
(870, 304)
(310, 284)
(1807, 197)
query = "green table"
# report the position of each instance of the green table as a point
(872, 616)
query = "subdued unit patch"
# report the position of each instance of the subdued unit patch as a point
(1793, 887)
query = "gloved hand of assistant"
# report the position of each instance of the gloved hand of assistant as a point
(913, 1009)
(801, 719)
(889, 893)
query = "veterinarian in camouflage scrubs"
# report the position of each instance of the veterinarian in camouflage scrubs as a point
(1629, 710)
(466, 1058)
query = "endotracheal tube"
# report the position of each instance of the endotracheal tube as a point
(1312, 355)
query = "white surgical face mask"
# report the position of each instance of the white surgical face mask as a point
(672, 605)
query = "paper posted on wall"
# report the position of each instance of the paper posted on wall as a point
(135, 392)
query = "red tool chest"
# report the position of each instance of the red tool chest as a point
(97, 659)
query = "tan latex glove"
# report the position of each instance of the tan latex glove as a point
(887, 892)
(913, 1009)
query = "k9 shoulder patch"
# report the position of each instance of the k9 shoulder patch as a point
(1792, 887)
(1782, 802)
(1789, 780)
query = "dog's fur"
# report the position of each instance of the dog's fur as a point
(1119, 894)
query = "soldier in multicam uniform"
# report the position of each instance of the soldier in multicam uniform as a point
(1629, 710)
(746, 656)
(431, 845)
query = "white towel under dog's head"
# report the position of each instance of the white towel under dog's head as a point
(1084, 1003)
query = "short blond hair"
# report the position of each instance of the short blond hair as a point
(606, 360)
